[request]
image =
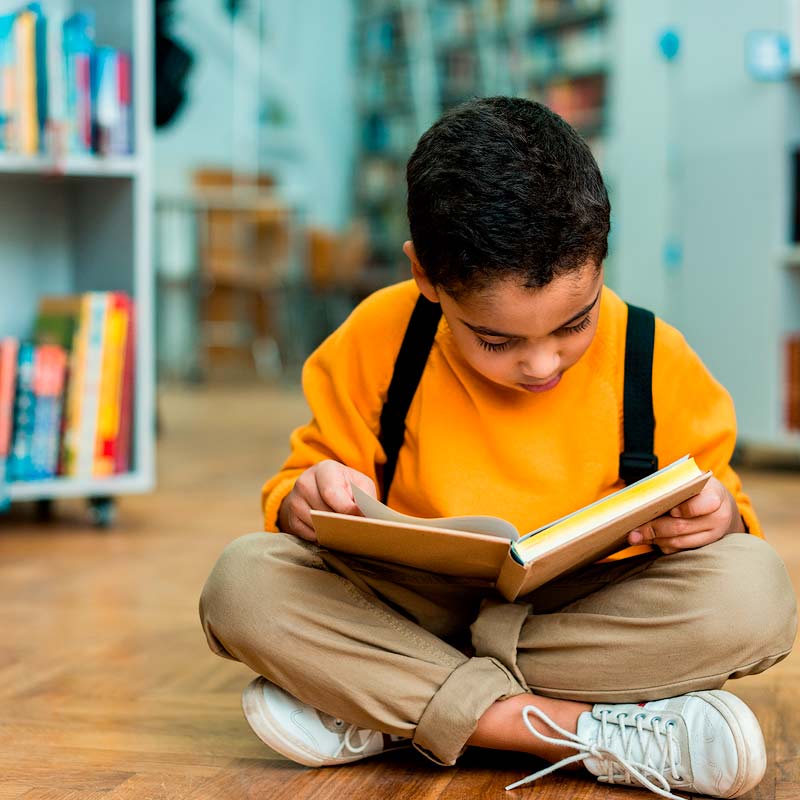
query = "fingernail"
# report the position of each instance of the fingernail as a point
(674, 513)
(635, 537)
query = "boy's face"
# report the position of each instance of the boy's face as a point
(524, 339)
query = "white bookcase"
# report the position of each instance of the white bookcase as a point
(701, 154)
(83, 223)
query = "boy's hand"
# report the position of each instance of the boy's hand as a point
(323, 487)
(700, 520)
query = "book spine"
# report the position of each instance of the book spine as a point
(9, 349)
(111, 385)
(19, 465)
(56, 87)
(8, 81)
(42, 88)
(25, 41)
(122, 458)
(42, 413)
(93, 370)
(78, 43)
(75, 392)
(123, 135)
(49, 389)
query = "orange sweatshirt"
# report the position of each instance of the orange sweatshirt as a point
(474, 447)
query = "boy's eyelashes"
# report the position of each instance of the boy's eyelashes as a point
(496, 347)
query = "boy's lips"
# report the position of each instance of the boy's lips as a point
(542, 387)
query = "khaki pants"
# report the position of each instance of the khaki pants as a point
(420, 655)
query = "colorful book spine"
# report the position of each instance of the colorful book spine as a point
(122, 137)
(48, 387)
(9, 349)
(96, 309)
(8, 82)
(19, 463)
(105, 99)
(28, 119)
(122, 456)
(78, 34)
(73, 411)
(111, 386)
(41, 73)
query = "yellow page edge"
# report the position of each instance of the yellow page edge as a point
(685, 466)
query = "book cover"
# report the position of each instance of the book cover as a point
(19, 462)
(492, 549)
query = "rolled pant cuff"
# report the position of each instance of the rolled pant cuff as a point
(453, 713)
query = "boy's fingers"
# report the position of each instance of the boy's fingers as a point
(698, 506)
(333, 484)
(689, 542)
(364, 482)
(665, 528)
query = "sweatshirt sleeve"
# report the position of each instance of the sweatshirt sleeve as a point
(695, 415)
(345, 382)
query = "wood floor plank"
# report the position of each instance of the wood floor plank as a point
(108, 689)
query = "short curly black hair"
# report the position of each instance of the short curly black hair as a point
(502, 187)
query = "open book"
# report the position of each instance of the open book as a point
(493, 549)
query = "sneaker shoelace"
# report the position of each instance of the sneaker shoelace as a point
(347, 741)
(619, 767)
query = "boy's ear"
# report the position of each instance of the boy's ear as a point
(426, 288)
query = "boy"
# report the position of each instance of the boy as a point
(518, 413)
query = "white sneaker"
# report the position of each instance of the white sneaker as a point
(305, 735)
(703, 742)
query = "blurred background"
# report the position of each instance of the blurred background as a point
(202, 219)
(194, 193)
(279, 181)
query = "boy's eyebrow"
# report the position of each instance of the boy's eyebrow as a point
(490, 332)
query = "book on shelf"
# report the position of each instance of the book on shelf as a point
(59, 91)
(492, 549)
(19, 461)
(8, 381)
(66, 396)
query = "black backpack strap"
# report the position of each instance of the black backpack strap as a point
(638, 460)
(408, 368)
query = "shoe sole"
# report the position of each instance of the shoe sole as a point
(746, 730)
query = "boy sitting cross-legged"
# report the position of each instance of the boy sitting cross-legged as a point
(518, 413)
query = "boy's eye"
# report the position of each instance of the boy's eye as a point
(494, 347)
(581, 326)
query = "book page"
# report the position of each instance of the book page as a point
(490, 526)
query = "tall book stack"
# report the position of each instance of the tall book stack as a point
(59, 91)
(66, 396)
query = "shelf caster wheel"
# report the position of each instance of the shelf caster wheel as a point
(103, 512)
(45, 509)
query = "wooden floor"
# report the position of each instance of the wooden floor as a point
(107, 688)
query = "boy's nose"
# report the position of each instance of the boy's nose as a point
(539, 366)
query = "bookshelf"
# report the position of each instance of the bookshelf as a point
(438, 53)
(77, 223)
